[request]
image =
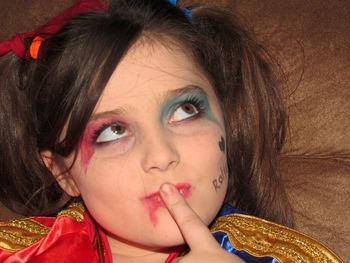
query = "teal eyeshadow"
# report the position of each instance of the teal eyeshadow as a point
(169, 106)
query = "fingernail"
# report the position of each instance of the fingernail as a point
(167, 188)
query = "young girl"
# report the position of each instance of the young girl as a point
(128, 130)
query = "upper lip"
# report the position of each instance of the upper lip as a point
(182, 187)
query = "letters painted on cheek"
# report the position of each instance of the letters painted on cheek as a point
(219, 181)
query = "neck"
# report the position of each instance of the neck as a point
(154, 257)
(125, 251)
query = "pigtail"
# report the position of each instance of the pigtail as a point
(255, 117)
(23, 175)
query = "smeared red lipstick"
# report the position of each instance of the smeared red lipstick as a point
(153, 201)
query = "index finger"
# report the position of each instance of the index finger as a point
(193, 229)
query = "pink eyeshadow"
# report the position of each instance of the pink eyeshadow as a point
(87, 148)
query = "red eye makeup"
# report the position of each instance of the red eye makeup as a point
(101, 131)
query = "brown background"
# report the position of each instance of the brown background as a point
(311, 41)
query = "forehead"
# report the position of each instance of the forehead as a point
(147, 73)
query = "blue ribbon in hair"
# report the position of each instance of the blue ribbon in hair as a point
(186, 11)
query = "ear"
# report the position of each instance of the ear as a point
(59, 170)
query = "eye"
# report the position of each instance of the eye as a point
(183, 112)
(112, 132)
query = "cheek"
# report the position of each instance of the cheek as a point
(111, 178)
(219, 183)
(211, 182)
(108, 153)
(206, 146)
(111, 191)
(115, 175)
(206, 153)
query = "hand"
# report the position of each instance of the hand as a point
(203, 246)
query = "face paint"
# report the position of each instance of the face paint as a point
(153, 201)
(86, 150)
(217, 183)
(191, 96)
(222, 144)
(90, 136)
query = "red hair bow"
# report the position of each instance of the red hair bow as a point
(16, 43)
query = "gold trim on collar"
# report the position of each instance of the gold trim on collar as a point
(262, 238)
(20, 233)
(74, 211)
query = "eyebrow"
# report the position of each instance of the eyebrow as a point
(117, 111)
(187, 89)
(169, 95)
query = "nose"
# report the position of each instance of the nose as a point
(159, 153)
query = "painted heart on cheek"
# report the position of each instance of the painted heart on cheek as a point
(222, 144)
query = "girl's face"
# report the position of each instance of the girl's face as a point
(158, 121)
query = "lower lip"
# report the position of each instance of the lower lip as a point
(153, 201)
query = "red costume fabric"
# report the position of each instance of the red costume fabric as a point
(69, 237)
(67, 240)
(17, 43)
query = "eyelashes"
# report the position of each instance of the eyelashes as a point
(197, 102)
(192, 107)
(110, 131)
(182, 109)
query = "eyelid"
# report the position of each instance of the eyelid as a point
(96, 127)
(182, 99)
(125, 133)
(198, 103)
(172, 119)
(175, 97)
(186, 91)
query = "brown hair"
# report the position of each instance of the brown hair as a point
(74, 65)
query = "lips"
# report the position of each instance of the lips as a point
(183, 188)
(153, 201)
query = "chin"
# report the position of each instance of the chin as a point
(161, 241)
(171, 242)
(165, 234)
